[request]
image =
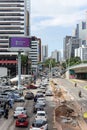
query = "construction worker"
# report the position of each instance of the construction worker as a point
(75, 84)
(80, 94)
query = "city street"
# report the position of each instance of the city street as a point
(76, 103)
(9, 124)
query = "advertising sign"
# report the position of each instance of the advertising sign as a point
(16, 43)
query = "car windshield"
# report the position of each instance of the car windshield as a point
(21, 119)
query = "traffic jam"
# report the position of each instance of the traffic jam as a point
(28, 108)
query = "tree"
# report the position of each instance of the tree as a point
(73, 61)
(24, 62)
(63, 65)
(51, 62)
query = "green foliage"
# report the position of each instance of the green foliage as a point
(64, 65)
(84, 61)
(51, 62)
(73, 61)
(24, 60)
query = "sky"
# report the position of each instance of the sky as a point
(52, 20)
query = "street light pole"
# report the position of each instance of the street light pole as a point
(19, 69)
(50, 69)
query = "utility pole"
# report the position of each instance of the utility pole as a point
(19, 70)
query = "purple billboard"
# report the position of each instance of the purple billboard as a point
(19, 42)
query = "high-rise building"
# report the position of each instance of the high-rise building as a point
(44, 52)
(82, 53)
(14, 21)
(70, 44)
(56, 55)
(65, 50)
(35, 53)
(82, 31)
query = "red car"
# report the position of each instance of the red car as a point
(22, 121)
(31, 86)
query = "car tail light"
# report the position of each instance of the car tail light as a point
(30, 126)
(42, 128)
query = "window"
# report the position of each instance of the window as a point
(83, 42)
(83, 25)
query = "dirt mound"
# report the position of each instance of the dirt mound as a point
(63, 110)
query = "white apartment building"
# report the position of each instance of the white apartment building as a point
(34, 55)
(56, 55)
(82, 53)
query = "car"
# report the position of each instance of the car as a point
(39, 125)
(31, 86)
(29, 95)
(39, 92)
(13, 92)
(49, 93)
(38, 95)
(43, 87)
(37, 107)
(41, 115)
(42, 102)
(41, 99)
(22, 120)
(21, 87)
(1, 112)
(20, 92)
(19, 110)
(19, 99)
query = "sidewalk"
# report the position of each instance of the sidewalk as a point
(80, 83)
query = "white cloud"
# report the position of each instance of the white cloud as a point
(55, 7)
(56, 12)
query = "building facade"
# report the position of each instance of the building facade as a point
(82, 53)
(65, 49)
(44, 52)
(14, 21)
(56, 55)
(35, 53)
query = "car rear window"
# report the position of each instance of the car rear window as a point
(21, 119)
(41, 114)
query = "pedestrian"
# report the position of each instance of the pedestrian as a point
(80, 94)
(4, 106)
(10, 103)
(6, 113)
(75, 84)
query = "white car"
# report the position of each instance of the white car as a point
(49, 93)
(39, 125)
(19, 110)
(41, 99)
(21, 88)
(41, 102)
(41, 115)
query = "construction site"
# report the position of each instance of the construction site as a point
(67, 113)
